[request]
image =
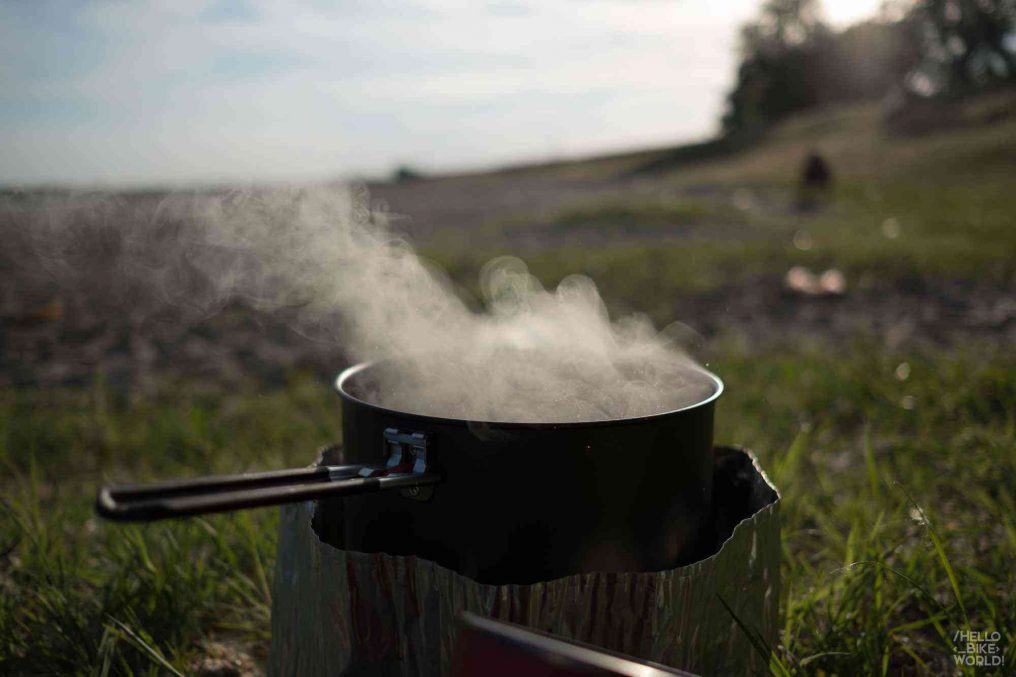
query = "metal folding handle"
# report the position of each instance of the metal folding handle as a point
(405, 469)
(219, 494)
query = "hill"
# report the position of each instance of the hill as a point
(883, 409)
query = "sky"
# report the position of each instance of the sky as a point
(184, 92)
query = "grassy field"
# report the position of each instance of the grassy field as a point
(897, 462)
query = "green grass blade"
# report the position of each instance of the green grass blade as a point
(145, 647)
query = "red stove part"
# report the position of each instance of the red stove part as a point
(490, 648)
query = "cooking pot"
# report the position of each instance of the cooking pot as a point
(500, 502)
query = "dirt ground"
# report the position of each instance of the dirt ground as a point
(60, 332)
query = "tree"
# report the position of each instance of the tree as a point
(777, 74)
(790, 61)
(964, 43)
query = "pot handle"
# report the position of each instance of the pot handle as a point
(143, 503)
(406, 468)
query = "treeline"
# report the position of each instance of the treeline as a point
(791, 60)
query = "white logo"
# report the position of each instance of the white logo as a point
(977, 649)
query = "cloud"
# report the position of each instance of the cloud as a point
(192, 89)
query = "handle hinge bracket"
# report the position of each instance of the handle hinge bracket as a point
(407, 454)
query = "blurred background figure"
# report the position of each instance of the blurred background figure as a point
(814, 183)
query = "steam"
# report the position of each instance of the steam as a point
(534, 355)
(328, 259)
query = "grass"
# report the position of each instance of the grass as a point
(899, 482)
(946, 227)
(899, 515)
(638, 216)
(82, 596)
(899, 522)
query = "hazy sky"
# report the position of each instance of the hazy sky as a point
(185, 91)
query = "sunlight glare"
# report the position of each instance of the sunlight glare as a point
(841, 13)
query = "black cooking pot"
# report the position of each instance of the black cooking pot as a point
(499, 502)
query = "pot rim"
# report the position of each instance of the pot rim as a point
(352, 371)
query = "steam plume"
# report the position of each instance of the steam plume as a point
(533, 355)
